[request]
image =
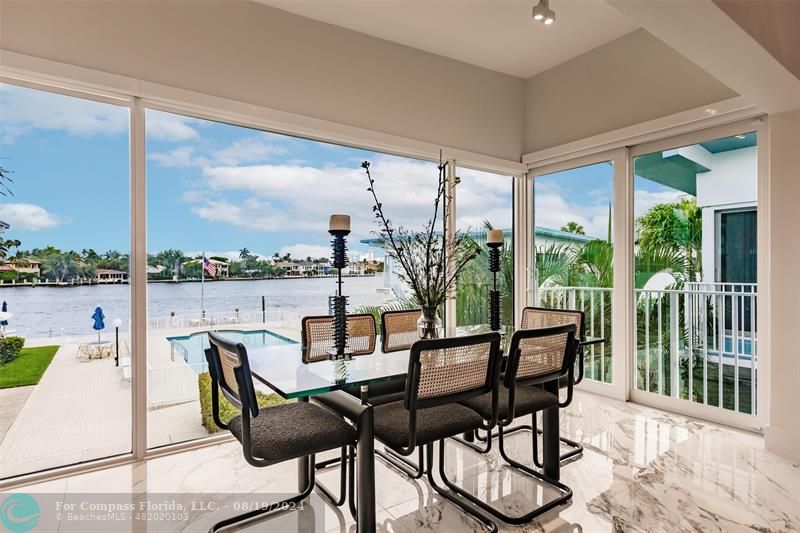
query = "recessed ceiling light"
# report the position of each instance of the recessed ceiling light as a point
(740, 136)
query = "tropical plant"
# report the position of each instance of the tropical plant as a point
(674, 227)
(475, 282)
(573, 227)
(421, 254)
(244, 254)
(5, 181)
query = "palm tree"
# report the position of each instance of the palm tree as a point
(675, 227)
(5, 245)
(573, 227)
(244, 254)
(5, 180)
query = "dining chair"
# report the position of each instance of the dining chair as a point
(399, 329)
(541, 317)
(317, 336)
(442, 373)
(272, 435)
(535, 357)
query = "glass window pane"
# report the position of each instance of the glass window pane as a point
(65, 398)
(695, 273)
(256, 205)
(574, 252)
(484, 201)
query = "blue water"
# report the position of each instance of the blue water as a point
(196, 343)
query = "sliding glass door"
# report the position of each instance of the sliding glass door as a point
(696, 271)
(575, 254)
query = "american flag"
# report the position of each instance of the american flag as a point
(209, 267)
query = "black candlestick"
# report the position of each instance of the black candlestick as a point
(339, 259)
(494, 294)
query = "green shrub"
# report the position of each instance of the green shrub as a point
(226, 410)
(10, 348)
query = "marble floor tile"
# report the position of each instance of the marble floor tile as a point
(642, 470)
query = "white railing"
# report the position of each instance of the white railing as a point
(699, 334)
(697, 343)
(595, 302)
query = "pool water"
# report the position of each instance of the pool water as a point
(192, 347)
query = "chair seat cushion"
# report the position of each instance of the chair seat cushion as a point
(293, 430)
(433, 423)
(527, 400)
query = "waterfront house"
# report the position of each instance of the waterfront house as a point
(109, 275)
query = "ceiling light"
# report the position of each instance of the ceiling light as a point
(740, 136)
(542, 12)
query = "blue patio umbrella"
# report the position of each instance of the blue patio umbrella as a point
(4, 323)
(98, 317)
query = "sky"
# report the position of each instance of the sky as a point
(218, 188)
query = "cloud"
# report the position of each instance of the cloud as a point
(644, 200)
(243, 151)
(183, 156)
(30, 217)
(170, 127)
(298, 197)
(301, 251)
(248, 150)
(25, 109)
(252, 214)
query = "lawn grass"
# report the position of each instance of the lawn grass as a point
(27, 369)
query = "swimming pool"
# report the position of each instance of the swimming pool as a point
(192, 347)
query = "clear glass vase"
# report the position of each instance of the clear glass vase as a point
(429, 324)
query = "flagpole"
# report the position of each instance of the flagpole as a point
(202, 288)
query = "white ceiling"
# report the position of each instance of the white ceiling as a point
(494, 34)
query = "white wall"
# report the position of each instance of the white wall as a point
(630, 80)
(783, 432)
(733, 178)
(256, 54)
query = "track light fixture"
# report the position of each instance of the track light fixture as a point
(542, 13)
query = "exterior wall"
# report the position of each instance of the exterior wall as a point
(783, 432)
(253, 53)
(731, 183)
(630, 80)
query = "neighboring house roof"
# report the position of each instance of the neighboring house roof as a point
(157, 269)
(539, 231)
(7, 268)
(110, 271)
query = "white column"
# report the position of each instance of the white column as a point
(138, 285)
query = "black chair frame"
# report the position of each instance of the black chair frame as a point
(412, 403)
(511, 382)
(574, 377)
(247, 404)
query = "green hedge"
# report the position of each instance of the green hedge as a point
(10, 348)
(226, 410)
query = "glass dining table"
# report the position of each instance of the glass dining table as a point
(281, 369)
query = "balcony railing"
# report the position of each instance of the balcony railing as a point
(698, 343)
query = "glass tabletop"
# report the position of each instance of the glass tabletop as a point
(281, 367)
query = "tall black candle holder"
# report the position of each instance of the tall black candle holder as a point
(339, 260)
(494, 294)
